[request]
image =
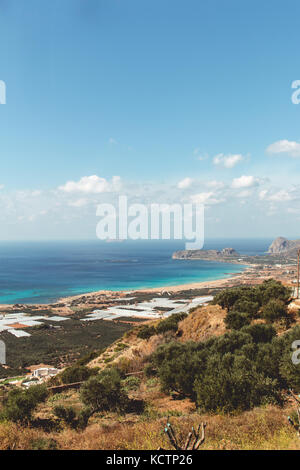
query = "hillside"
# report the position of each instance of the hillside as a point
(131, 352)
(283, 245)
(155, 363)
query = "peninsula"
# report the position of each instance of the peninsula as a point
(281, 251)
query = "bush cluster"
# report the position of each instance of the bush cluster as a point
(104, 392)
(236, 371)
(168, 324)
(131, 383)
(77, 373)
(267, 300)
(20, 404)
(71, 418)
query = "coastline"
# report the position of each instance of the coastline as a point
(249, 274)
(155, 273)
(213, 283)
(65, 303)
(176, 287)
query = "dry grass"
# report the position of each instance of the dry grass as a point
(262, 428)
(133, 358)
(200, 325)
(203, 323)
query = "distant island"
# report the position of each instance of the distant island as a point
(281, 251)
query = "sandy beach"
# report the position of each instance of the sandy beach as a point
(162, 289)
(252, 274)
(62, 306)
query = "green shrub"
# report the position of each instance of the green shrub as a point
(43, 444)
(272, 289)
(227, 298)
(289, 371)
(88, 357)
(236, 371)
(149, 370)
(152, 382)
(71, 418)
(120, 347)
(83, 417)
(38, 393)
(274, 310)
(131, 383)
(170, 323)
(236, 320)
(178, 364)
(249, 299)
(77, 373)
(66, 413)
(146, 332)
(20, 404)
(246, 306)
(260, 333)
(231, 383)
(104, 392)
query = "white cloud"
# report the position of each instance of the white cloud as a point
(279, 196)
(205, 198)
(287, 147)
(112, 141)
(245, 193)
(293, 210)
(78, 203)
(36, 193)
(215, 184)
(263, 194)
(185, 183)
(117, 183)
(91, 185)
(244, 182)
(227, 161)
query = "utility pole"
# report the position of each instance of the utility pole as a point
(298, 274)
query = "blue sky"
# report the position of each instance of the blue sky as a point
(179, 99)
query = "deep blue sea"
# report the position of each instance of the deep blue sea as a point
(42, 272)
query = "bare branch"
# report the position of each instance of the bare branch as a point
(296, 425)
(193, 440)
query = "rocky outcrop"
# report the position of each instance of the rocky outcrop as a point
(229, 252)
(280, 251)
(219, 255)
(283, 245)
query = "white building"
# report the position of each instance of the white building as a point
(45, 372)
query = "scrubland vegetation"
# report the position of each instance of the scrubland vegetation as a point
(235, 376)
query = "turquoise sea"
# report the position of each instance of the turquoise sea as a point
(42, 272)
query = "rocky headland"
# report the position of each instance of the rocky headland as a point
(281, 251)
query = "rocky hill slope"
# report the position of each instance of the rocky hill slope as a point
(283, 245)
